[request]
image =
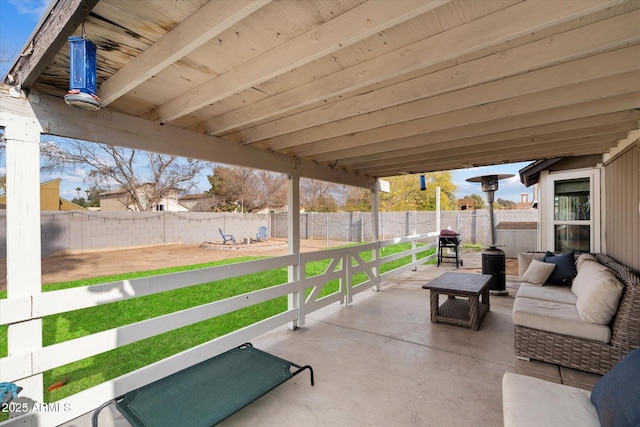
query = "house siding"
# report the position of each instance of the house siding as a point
(622, 207)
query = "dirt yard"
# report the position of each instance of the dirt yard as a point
(103, 263)
(95, 264)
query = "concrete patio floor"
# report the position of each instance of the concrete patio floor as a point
(381, 362)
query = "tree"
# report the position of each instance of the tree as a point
(318, 196)
(505, 204)
(406, 195)
(246, 190)
(92, 196)
(79, 201)
(110, 167)
(357, 200)
(272, 190)
(479, 200)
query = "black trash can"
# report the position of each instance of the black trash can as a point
(494, 264)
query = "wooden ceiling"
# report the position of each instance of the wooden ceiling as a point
(374, 88)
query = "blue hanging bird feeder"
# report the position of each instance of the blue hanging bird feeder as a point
(82, 74)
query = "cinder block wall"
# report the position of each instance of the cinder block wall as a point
(473, 226)
(75, 232)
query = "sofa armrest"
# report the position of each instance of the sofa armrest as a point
(532, 402)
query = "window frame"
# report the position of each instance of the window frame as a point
(547, 207)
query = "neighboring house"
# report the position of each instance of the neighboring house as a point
(118, 200)
(466, 204)
(50, 199)
(202, 202)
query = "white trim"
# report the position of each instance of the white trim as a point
(633, 137)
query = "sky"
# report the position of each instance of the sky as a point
(18, 19)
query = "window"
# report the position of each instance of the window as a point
(160, 207)
(571, 210)
(572, 215)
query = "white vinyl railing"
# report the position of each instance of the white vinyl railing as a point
(343, 265)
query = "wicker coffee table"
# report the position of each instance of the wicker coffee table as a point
(470, 309)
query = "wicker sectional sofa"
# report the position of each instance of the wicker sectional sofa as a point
(569, 341)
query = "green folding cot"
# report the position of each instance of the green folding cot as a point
(206, 393)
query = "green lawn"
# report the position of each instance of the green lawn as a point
(91, 371)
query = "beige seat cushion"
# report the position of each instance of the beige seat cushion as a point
(560, 294)
(532, 402)
(557, 317)
(598, 292)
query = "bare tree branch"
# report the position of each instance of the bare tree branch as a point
(146, 178)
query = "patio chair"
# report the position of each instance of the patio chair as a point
(208, 392)
(262, 234)
(227, 237)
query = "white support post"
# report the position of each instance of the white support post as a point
(296, 299)
(438, 210)
(22, 136)
(375, 206)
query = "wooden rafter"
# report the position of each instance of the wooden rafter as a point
(454, 43)
(346, 29)
(197, 29)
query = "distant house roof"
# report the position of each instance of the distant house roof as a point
(506, 225)
(121, 190)
(195, 196)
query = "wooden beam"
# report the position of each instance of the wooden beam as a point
(348, 28)
(48, 39)
(110, 127)
(480, 112)
(589, 40)
(206, 23)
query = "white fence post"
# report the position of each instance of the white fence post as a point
(438, 227)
